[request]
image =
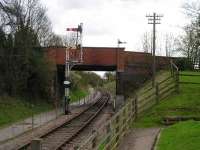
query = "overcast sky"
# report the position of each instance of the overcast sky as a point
(107, 20)
(104, 21)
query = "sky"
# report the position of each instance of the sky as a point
(105, 21)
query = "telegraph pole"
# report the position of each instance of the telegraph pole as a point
(154, 19)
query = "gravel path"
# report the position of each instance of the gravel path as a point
(139, 139)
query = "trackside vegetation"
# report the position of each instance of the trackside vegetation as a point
(13, 109)
(16, 108)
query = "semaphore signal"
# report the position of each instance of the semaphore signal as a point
(69, 63)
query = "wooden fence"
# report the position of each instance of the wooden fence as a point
(109, 135)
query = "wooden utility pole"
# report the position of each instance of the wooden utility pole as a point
(154, 19)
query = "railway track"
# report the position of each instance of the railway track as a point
(59, 138)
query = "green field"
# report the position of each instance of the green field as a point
(181, 136)
(186, 103)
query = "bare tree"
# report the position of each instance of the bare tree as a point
(192, 9)
(166, 43)
(54, 40)
(20, 14)
(170, 44)
(147, 42)
(70, 40)
(190, 44)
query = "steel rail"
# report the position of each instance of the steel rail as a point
(90, 113)
(84, 125)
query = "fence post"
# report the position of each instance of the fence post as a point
(136, 106)
(36, 144)
(94, 142)
(177, 81)
(157, 92)
(133, 109)
(171, 68)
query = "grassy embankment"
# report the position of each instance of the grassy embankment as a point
(14, 109)
(186, 103)
(183, 135)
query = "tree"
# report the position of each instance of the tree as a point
(25, 70)
(25, 14)
(109, 76)
(2, 46)
(192, 9)
(147, 42)
(54, 40)
(190, 43)
(70, 39)
(165, 43)
(170, 44)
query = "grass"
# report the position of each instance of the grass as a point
(186, 103)
(181, 136)
(15, 109)
(77, 94)
(160, 76)
(195, 79)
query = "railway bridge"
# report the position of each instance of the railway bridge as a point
(132, 68)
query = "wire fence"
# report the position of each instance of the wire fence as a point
(38, 120)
